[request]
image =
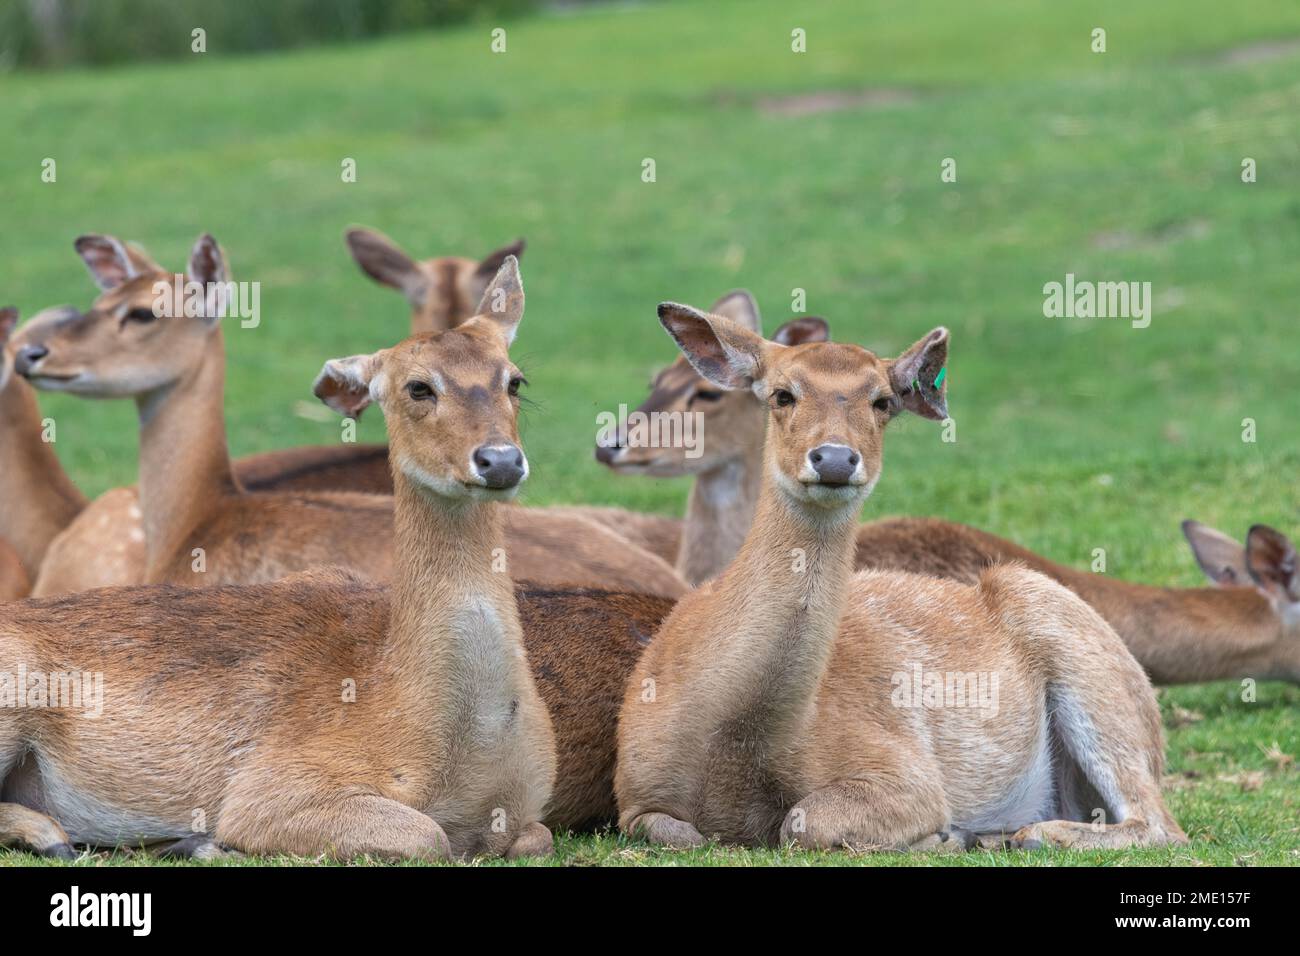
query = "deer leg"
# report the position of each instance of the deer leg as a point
(533, 840)
(664, 830)
(364, 825)
(867, 815)
(25, 828)
(200, 846)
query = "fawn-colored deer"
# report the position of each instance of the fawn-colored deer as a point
(770, 707)
(40, 499)
(322, 713)
(1248, 625)
(201, 526)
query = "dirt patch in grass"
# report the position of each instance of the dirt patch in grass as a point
(833, 101)
(1261, 51)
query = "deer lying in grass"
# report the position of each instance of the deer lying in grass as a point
(1246, 626)
(282, 712)
(441, 293)
(201, 527)
(763, 711)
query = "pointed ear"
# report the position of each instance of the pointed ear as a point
(8, 319)
(107, 259)
(1271, 561)
(503, 301)
(385, 262)
(491, 264)
(207, 266)
(914, 373)
(1221, 558)
(739, 306)
(803, 330)
(728, 355)
(348, 385)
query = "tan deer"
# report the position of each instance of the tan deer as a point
(1246, 626)
(39, 498)
(768, 708)
(282, 713)
(201, 527)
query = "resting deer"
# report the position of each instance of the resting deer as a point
(201, 527)
(40, 499)
(763, 712)
(1247, 626)
(280, 711)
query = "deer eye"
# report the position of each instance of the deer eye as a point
(141, 315)
(782, 398)
(419, 391)
(707, 395)
(515, 383)
(882, 404)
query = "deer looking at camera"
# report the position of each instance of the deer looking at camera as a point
(1247, 625)
(767, 707)
(281, 711)
(203, 528)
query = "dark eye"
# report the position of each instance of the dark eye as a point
(882, 404)
(706, 395)
(515, 383)
(420, 391)
(141, 315)
(782, 398)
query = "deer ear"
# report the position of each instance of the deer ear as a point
(503, 300)
(739, 306)
(385, 262)
(8, 320)
(1221, 558)
(349, 385)
(916, 376)
(207, 266)
(107, 259)
(802, 331)
(728, 355)
(1271, 561)
(491, 264)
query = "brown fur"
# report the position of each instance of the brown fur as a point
(278, 710)
(763, 712)
(196, 514)
(1179, 635)
(13, 576)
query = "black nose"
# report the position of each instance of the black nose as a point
(500, 466)
(834, 464)
(28, 356)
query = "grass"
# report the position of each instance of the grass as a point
(1071, 434)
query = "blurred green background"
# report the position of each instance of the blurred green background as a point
(775, 171)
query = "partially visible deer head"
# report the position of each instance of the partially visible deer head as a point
(450, 398)
(732, 422)
(441, 292)
(1267, 562)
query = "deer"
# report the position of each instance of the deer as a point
(201, 528)
(418, 733)
(1246, 624)
(14, 582)
(441, 292)
(40, 499)
(769, 708)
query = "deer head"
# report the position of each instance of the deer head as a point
(827, 403)
(441, 292)
(127, 343)
(1267, 562)
(732, 422)
(450, 398)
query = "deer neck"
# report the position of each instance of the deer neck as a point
(185, 472)
(780, 604)
(721, 508)
(719, 513)
(455, 644)
(1189, 635)
(40, 498)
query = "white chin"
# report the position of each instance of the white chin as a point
(477, 493)
(836, 496)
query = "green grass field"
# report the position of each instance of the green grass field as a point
(1072, 434)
